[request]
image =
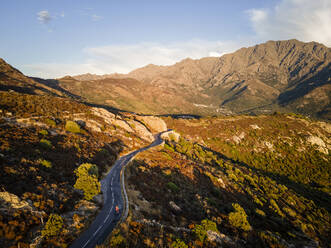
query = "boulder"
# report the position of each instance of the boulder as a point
(314, 140)
(171, 135)
(103, 113)
(174, 207)
(221, 183)
(269, 145)
(154, 124)
(13, 200)
(123, 124)
(254, 126)
(326, 126)
(141, 130)
(93, 125)
(237, 139)
(219, 238)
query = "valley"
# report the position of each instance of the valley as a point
(284, 76)
(229, 151)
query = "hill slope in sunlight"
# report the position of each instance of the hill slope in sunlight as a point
(274, 76)
(232, 182)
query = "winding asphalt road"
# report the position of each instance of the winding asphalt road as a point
(107, 219)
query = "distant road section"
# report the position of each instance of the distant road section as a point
(111, 185)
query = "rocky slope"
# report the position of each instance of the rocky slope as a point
(232, 182)
(238, 181)
(129, 94)
(47, 143)
(282, 72)
(13, 79)
(277, 75)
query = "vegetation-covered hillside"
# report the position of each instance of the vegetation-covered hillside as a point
(232, 182)
(53, 154)
(236, 181)
(286, 76)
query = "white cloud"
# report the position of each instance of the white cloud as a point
(44, 16)
(257, 15)
(124, 58)
(96, 17)
(57, 70)
(305, 20)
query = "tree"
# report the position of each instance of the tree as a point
(238, 218)
(53, 226)
(72, 126)
(87, 180)
(178, 244)
(201, 230)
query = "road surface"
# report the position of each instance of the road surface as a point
(107, 219)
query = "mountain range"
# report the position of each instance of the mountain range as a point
(224, 181)
(274, 76)
(284, 76)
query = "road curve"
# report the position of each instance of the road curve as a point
(107, 219)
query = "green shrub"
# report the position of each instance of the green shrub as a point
(72, 127)
(172, 137)
(87, 180)
(201, 230)
(173, 187)
(43, 132)
(290, 212)
(259, 212)
(169, 148)
(271, 239)
(238, 218)
(167, 156)
(50, 122)
(275, 208)
(257, 201)
(132, 125)
(45, 143)
(178, 244)
(53, 226)
(45, 163)
(117, 240)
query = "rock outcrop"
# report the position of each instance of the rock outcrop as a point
(259, 79)
(13, 200)
(219, 238)
(142, 126)
(171, 135)
(174, 207)
(314, 140)
(154, 124)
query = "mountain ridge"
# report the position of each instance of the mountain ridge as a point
(229, 181)
(285, 75)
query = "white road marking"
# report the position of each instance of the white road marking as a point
(106, 218)
(110, 210)
(113, 172)
(86, 243)
(97, 231)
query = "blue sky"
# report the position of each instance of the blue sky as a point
(53, 38)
